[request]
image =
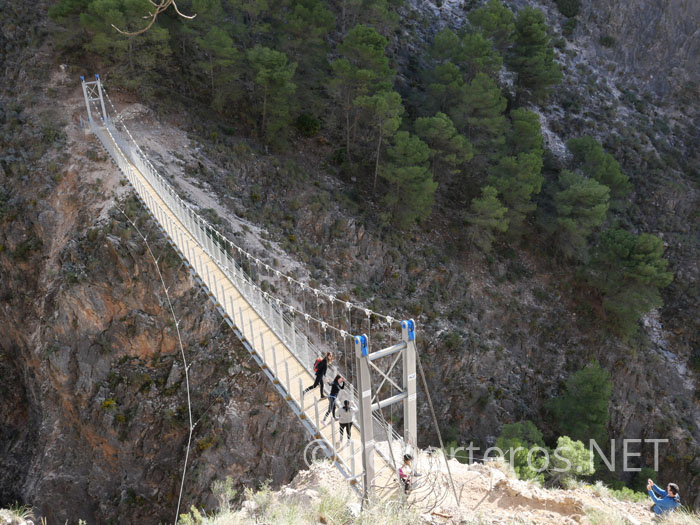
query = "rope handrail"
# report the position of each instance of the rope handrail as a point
(330, 297)
(248, 289)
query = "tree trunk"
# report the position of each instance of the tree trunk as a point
(347, 127)
(211, 76)
(262, 126)
(342, 26)
(376, 164)
(354, 126)
(131, 54)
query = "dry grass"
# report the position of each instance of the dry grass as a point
(681, 517)
(608, 516)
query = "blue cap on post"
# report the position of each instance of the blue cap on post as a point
(97, 77)
(362, 341)
(411, 327)
(82, 78)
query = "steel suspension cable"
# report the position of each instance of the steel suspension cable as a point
(437, 428)
(184, 361)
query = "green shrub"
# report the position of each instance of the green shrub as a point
(308, 125)
(522, 435)
(568, 27)
(607, 41)
(572, 458)
(109, 404)
(224, 492)
(568, 8)
(582, 409)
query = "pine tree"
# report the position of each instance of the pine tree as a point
(379, 14)
(385, 111)
(412, 189)
(581, 205)
(220, 62)
(362, 70)
(629, 270)
(253, 13)
(273, 76)
(517, 179)
(481, 114)
(67, 14)
(533, 55)
(140, 53)
(477, 56)
(303, 34)
(589, 157)
(526, 133)
(304, 31)
(569, 8)
(497, 22)
(581, 411)
(487, 216)
(446, 88)
(449, 149)
(446, 46)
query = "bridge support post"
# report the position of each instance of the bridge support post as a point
(92, 91)
(102, 100)
(408, 335)
(366, 424)
(87, 98)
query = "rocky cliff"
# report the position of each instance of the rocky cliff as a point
(94, 415)
(658, 42)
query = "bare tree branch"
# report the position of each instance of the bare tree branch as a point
(162, 6)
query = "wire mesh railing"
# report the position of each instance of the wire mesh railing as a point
(268, 308)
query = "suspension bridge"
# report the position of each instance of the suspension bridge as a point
(276, 330)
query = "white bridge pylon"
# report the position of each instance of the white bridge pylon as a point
(282, 350)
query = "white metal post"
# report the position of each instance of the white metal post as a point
(318, 423)
(410, 424)
(87, 99)
(242, 326)
(102, 100)
(365, 401)
(274, 361)
(286, 377)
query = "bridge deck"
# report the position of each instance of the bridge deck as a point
(281, 350)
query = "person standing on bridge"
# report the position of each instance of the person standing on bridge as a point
(337, 385)
(346, 414)
(320, 368)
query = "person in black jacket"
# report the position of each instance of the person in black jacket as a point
(337, 385)
(321, 367)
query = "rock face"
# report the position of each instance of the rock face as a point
(94, 416)
(656, 40)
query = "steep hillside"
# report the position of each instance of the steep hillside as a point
(94, 418)
(93, 386)
(489, 494)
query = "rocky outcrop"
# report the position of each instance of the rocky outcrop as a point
(657, 41)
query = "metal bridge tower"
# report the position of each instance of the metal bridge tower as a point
(406, 352)
(92, 91)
